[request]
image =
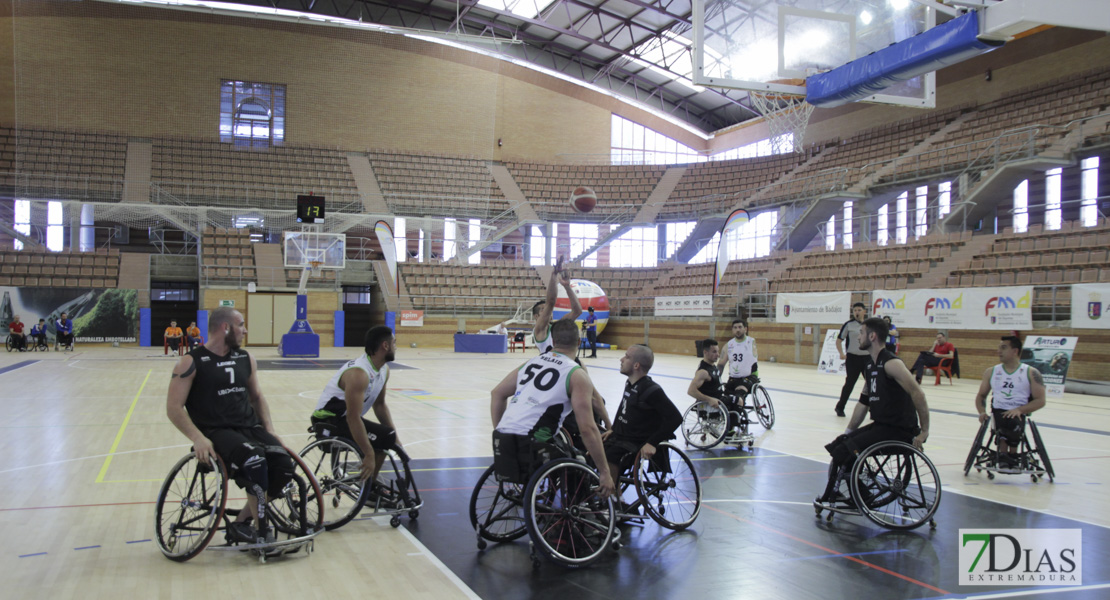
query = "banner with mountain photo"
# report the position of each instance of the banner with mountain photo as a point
(99, 316)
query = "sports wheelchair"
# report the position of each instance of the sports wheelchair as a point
(336, 462)
(704, 426)
(559, 508)
(37, 344)
(1032, 459)
(891, 483)
(192, 506)
(28, 343)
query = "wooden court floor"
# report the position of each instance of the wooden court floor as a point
(87, 443)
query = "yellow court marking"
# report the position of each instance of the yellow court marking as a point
(122, 427)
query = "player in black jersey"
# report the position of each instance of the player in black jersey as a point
(215, 400)
(892, 396)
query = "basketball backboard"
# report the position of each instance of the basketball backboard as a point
(761, 45)
(303, 247)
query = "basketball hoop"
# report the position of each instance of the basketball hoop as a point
(314, 267)
(784, 114)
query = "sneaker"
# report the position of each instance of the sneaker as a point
(241, 532)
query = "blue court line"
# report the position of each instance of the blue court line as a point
(29, 555)
(87, 547)
(931, 410)
(138, 541)
(845, 555)
(17, 365)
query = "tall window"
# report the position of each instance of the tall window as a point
(847, 224)
(1021, 207)
(1053, 211)
(632, 143)
(884, 215)
(751, 241)
(252, 114)
(420, 246)
(830, 233)
(944, 199)
(473, 235)
(538, 246)
(448, 238)
(22, 220)
(676, 234)
(1089, 191)
(901, 232)
(582, 237)
(756, 149)
(921, 212)
(638, 247)
(708, 250)
(55, 232)
(400, 239)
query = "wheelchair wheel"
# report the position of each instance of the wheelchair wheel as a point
(567, 520)
(704, 426)
(496, 508)
(190, 507)
(977, 445)
(1041, 452)
(896, 485)
(764, 409)
(337, 465)
(9, 344)
(669, 489)
(299, 508)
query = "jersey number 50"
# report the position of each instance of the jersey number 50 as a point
(545, 378)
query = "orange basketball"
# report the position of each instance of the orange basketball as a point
(583, 199)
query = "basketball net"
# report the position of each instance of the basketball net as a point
(785, 114)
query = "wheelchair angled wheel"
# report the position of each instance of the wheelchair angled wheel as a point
(668, 487)
(764, 408)
(190, 506)
(1046, 464)
(567, 520)
(977, 445)
(496, 509)
(896, 485)
(337, 466)
(704, 425)
(9, 343)
(298, 510)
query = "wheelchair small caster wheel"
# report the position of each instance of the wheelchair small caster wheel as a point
(414, 514)
(262, 557)
(828, 519)
(615, 545)
(817, 509)
(932, 524)
(395, 521)
(990, 475)
(1034, 478)
(481, 544)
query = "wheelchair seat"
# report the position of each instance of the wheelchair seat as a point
(1033, 458)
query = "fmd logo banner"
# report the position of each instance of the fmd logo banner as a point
(1025, 557)
(959, 308)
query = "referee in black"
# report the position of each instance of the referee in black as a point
(856, 360)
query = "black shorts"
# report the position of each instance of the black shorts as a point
(1009, 428)
(225, 441)
(621, 451)
(845, 448)
(381, 437)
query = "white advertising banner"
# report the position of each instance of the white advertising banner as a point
(826, 308)
(830, 362)
(1002, 308)
(1088, 300)
(684, 306)
(1051, 355)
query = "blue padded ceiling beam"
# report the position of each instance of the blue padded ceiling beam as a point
(947, 44)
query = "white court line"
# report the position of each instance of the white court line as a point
(469, 593)
(1058, 590)
(754, 501)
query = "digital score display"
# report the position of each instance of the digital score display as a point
(310, 209)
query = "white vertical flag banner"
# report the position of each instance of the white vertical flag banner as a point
(384, 234)
(733, 223)
(1088, 301)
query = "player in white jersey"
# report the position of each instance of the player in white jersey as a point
(740, 356)
(531, 402)
(353, 390)
(1018, 390)
(542, 310)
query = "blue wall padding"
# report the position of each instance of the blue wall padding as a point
(943, 45)
(144, 327)
(340, 324)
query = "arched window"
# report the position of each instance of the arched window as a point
(252, 114)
